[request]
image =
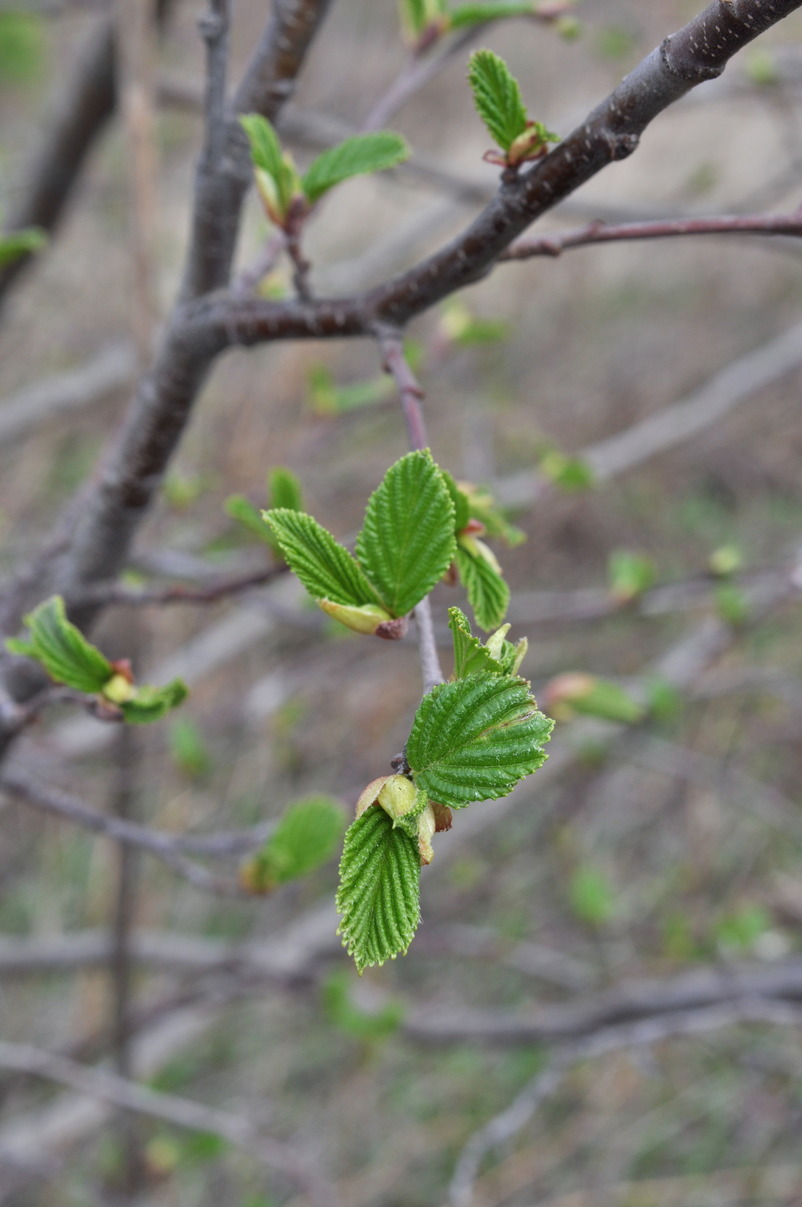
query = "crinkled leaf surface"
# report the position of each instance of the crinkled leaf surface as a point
(487, 592)
(407, 540)
(474, 739)
(355, 156)
(62, 649)
(379, 894)
(325, 567)
(470, 655)
(497, 97)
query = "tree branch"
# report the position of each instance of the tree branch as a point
(181, 1112)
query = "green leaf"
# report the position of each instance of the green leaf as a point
(306, 836)
(62, 649)
(476, 738)
(350, 1019)
(497, 97)
(474, 14)
(462, 510)
(355, 156)
(629, 575)
(379, 894)
(407, 540)
(20, 243)
(276, 178)
(488, 594)
(21, 46)
(591, 896)
(284, 489)
(326, 568)
(569, 473)
(151, 703)
(241, 509)
(188, 749)
(484, 508)
(418, 15)
(470, 655)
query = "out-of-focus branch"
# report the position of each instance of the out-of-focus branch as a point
(79, 118)
(699, 411)
(116, 595)
(165, 847)
(701, 1021)
(111, 371)
(557, 242)
(202, 330)
(181, 1112)
(136, 49)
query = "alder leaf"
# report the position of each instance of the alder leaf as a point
(474, 739)
(241, 509)
(62, 649)
(306, 836)
(470, 655)
(407, 540)
(487, 592)
(354, 157)
(379, 894)
(325, 567)
(497, 97)
(462, 510)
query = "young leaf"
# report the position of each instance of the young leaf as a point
(407, 540)
(276, 177)
(484, 508)
(62, 649)
(462, 508)
(325, 567)
(488, 594)
(497, 97)
(355, 156)
(348, 1016)
(241, 509)
(284, 489)
(379, 894)
(470, 655)
(20, 243)
(306, 836)
(492, 10)
(476, 738)
(151, 703)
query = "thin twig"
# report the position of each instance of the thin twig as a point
(214, 28)
(181, 1112)
(117, 595)
(506, 1125)
(601, 232)
(165, 847)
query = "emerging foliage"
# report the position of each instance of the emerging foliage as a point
(325, 567)
(57, 645)
(20, 243)
(476, 738)
(306, 836)
(379, 893)
(356, 156)
(407, 539)
(480, 575)
(497, 97)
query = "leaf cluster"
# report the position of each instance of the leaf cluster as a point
(425, 21)
(472, 739)
(497, 96)
(58, 646)
(286, 194)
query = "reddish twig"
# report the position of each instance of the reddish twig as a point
(601, 232)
